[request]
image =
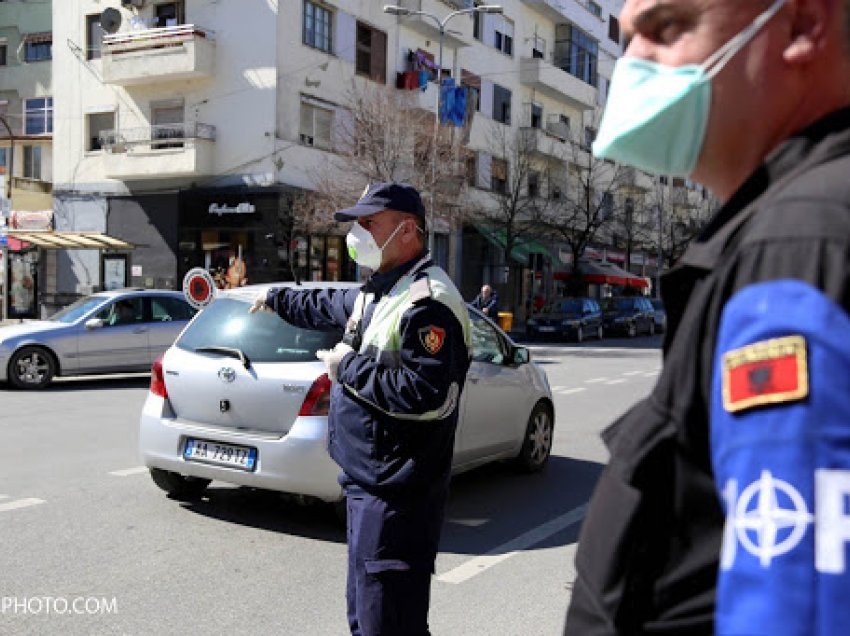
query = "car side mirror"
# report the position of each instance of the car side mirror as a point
(94, 323)
(521, 355)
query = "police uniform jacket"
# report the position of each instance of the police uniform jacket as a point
(747, 428)
(392, 422)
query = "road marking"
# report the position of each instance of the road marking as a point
(618, 381)
(4, 496)
(20, 503)
(634, 372)
(569, 391)
(495, 556)
(595, 380)
(138, 470)
(651, 374)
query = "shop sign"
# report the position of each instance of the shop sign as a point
(241, 208)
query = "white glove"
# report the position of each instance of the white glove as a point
(260, 304)
(333, 357)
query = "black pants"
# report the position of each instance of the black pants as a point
(392, 546)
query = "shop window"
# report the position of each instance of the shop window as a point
(97, 123)
(501, 104)
(38, 116)
(316, 126)
(94, 37)
(317, 27)
(32, 162)
(371, 58)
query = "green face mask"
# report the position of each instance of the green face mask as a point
(657, 115)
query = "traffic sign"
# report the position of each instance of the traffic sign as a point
(199, 287)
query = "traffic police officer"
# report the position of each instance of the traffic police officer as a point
(723, 508)
(398, 373)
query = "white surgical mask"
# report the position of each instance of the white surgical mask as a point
(363, 248)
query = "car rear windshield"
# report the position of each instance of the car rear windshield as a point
(262, 337)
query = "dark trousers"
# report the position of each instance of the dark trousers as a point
(392, 546)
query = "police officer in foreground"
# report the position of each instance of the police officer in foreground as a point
(397, 376)
(724, 505)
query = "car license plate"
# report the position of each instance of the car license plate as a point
(546, 329)
(208, 452)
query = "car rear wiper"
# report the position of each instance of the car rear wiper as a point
(229, 351)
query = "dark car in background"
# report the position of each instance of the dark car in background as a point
(628, 315)
(660, 315)
(573, 318)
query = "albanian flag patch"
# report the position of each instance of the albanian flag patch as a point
(767, 372)
(432, 338)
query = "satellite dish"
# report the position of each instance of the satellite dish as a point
(110, 20)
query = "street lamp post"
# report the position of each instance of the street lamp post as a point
(4, 314)
(441, 26)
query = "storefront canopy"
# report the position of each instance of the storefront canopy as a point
(604, 273)
(52, 240)
(523, 245)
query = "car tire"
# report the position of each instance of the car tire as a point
(631, 330)
(179, 487)
(579, 334)
(600, 332)
(537, 444)
(651, 327)
(31, 368)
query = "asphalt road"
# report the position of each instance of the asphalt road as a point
(88, 545)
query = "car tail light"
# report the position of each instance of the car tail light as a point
(158, 379)
(318, 398)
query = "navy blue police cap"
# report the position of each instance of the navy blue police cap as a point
(401, 197)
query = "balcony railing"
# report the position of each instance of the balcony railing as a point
(167, 53)
(543, 75)
(156, 136)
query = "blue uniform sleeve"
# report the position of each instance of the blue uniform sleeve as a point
(433, 361)
(780, 443)
(320, 309)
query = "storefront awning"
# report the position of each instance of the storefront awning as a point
(52, 240)
(523, 246)
(604, 273)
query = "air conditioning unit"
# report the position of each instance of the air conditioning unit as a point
(132, 3)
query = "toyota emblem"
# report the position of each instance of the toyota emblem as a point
(227, 374)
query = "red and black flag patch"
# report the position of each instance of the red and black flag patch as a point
(432, 338)
(768, 372)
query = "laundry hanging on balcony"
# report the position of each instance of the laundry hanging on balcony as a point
(452, 103)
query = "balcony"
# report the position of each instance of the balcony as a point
(156, 152)
(419, 100)
(556, 83)
(634, 180)
(543, 143)
(156, 55)
(552, 9)
(458, 30)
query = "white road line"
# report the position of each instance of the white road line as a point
(138, 470)
(651, 374)
(595, 380)
(633, 372)
(20, 503)
(495, 556)
(4, 496)
(619, 381)
(570, 391)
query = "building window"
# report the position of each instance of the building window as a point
(577, 54)
(38, 116)
(316, 126)
(503, 42)
(538, 48)
(32, 162)
(554, 192)
(167, 123)
(589, 136)
(613, 29)
(371, 53)
(558, 125)
(94, 36)
(533, 184)
(317, 27)
(169, 14)
(472, 83)
(536, 116)
(97, 123)
(3, 48)
(606, 206)
(38, 50)
(501, 104)
(471, 167)
(594, 8)
(499, 176)
(477, 19)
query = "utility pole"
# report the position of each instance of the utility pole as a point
(9, 176)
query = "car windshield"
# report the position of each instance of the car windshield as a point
(570, 307)
(261, 337)
(74, 312)
(618, 304)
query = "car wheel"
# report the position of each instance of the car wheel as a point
(631, 330)
(31, 368)
(537, 444)
(651, 327)
(600, 332)
(178, 486)
(579, 334)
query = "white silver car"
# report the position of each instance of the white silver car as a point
(241, 398)
(116, 331)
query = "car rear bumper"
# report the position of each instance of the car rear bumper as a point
(296, 463)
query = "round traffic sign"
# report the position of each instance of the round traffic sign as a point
(198, 287)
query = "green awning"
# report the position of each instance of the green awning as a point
(523, 245)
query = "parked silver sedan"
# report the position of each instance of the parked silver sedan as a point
(241, 398)
(108, 332)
